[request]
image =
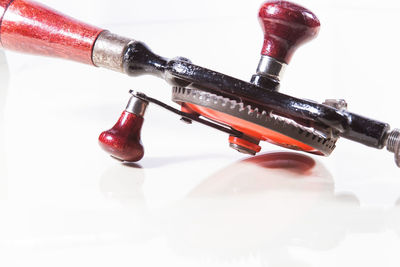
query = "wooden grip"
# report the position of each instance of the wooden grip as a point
(123, 140)
(286, 26)
(30, 27)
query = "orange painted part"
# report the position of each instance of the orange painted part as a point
(244, 143)
(253, 130)
(186, 109)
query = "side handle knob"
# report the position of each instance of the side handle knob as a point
(286, 27)
(123, 141)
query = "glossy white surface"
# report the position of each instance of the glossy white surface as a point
(193, 201)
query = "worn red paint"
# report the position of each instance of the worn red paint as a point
(123, 140)
(3, 6)
(31, 27)
(286, 26)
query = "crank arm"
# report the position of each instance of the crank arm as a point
(189, 118)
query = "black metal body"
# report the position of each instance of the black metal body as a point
(139, 60)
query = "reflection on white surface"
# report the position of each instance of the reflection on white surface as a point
(4, 82)
(263, 207)
(123, 182)
(258, 212)
(158, 162)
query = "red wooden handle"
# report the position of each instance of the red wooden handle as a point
(123, 140)
(286, 26)
(31, 27)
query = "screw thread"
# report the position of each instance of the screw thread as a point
(393, 140)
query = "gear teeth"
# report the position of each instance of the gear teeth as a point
(264, 115)
(251, 112)
(264, 118)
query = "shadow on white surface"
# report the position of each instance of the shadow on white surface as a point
(4, 83)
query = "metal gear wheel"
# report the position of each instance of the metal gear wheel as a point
(321, 143)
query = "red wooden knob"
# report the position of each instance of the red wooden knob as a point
(286, 26)
(123, 140)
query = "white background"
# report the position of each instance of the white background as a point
(193, 201)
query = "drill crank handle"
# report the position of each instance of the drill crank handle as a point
(30, 27)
